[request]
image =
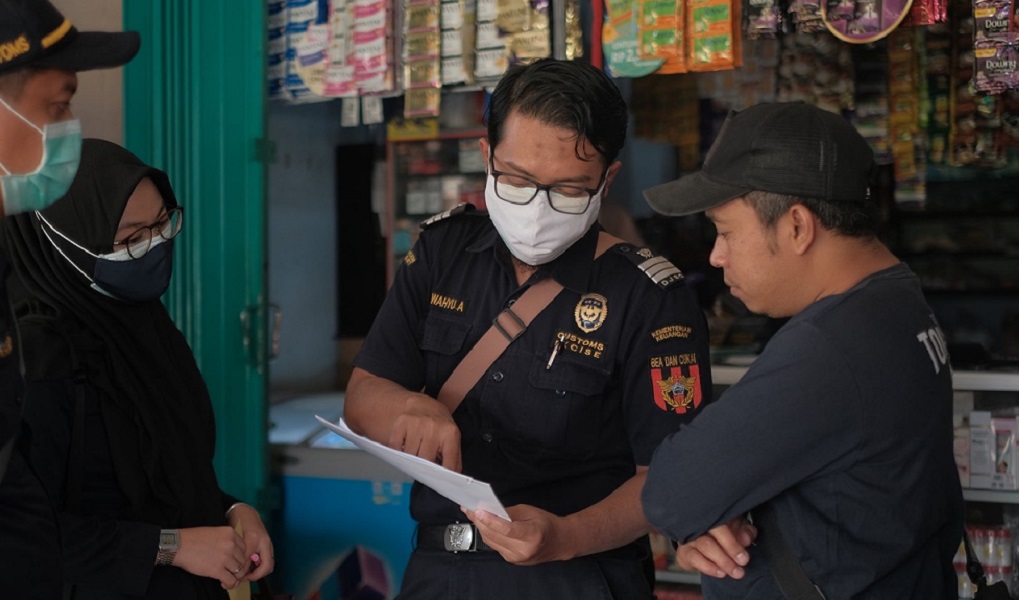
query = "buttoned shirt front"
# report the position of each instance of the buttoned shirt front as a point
(611, 366)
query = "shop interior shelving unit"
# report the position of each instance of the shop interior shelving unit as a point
(426, 176)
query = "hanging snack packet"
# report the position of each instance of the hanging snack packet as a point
(991, 19)
(807, 16)
(840, 10)
(620, 41)
(711, 30)
(996, 65)
(660, 33)
(514, 15)
(763, 19)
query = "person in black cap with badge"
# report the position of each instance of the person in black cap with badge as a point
(838, 439)
(40, 145)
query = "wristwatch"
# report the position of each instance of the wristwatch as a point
(169, 544)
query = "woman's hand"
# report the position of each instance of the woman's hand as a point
(257, 545)
(216, 552)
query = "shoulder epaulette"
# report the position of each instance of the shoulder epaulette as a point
(459, 209)
(658, 268)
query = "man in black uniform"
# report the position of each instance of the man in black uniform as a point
(40, 143)
(563, 415)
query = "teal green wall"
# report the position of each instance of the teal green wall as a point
(195, 107)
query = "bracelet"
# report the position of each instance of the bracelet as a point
(233, 506)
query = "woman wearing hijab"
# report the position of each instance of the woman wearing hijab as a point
(121, 425)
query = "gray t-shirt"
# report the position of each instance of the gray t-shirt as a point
(843, 425)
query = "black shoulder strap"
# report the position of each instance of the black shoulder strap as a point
(787, 571)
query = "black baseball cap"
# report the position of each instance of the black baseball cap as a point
(34, 33)
(789, 148)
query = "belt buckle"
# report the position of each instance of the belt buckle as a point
(459, 537)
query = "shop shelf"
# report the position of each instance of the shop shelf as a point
(996, 496)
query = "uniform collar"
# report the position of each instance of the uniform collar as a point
(572, 269)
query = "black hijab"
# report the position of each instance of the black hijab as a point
(154, 401)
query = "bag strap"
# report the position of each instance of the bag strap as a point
(507, 326)
(787, 571)
(974, 569)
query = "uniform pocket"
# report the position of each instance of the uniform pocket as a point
(565, 408)
(443, 335)
(443, 344)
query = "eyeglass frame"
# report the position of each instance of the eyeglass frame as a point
(541, 187)
(164, 220)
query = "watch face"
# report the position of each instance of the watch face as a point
(168, 538)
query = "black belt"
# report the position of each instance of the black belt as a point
(464, 537)
(456, 537)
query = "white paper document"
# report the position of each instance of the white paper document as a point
(465, 491)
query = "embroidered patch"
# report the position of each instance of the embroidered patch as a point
(671, 331)
(446, 302)
(409, 258)
(7, 347)
(591, 312)
(571, 342)
(678, 389)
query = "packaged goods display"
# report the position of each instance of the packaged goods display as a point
(995, 549)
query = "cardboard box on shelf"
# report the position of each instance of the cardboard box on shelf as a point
(994, 456)
(981, 448)
(961, 448)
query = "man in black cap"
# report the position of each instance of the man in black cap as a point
(838, 439)
(40, 143)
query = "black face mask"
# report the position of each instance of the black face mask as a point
(119, 276)
(136, 280)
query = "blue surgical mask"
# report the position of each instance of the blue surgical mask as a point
(121, 277)
(61, 153)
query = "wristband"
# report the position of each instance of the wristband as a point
(233, 506)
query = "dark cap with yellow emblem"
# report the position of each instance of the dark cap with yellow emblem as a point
(33, 33)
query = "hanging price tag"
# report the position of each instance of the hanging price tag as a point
(371, 110)
(350, 112)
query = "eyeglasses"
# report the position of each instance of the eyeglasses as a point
(517, 189)
(167, 227)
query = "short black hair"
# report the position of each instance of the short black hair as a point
(564, 94)
(851, 219)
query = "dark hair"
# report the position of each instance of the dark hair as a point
(565, 94)
(851, 219)
(13, 83)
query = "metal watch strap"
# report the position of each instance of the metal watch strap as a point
(167, 551)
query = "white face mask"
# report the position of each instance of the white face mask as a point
(534, 232)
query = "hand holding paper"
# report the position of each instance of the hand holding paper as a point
(466, 491)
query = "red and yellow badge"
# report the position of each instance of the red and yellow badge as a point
(680, 392)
